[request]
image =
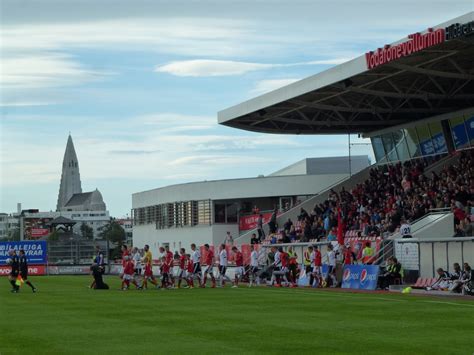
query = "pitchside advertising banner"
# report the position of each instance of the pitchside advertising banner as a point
(362, 277)
(36, 255)
(35, 251)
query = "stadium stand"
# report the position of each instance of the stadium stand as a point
(376, 207)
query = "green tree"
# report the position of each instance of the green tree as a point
(113, 232)
(54, 236)
(86, 231)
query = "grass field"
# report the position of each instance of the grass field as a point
(67, 317)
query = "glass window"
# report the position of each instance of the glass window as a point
(413, 143)
(377, 146)
(470, 128)
(437, 136)
(389, 146)
(219, 213)
(426, 145)
(459, 132)
(401, 145)
(231, 210)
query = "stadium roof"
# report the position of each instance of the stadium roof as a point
(423, 75)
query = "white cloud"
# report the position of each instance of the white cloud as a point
(45, 70)
(211, 67)
(208, 67)
(4, 103)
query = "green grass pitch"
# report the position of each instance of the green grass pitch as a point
(67, 317)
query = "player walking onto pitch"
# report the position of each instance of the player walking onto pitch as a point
(15, 269)
(254, 267)
(24, 270)
(196, 259)
(182, 267)
(148, 272)
(239, 266)
(189, 271)
(170, 261)
(222, 265)
(209, 267)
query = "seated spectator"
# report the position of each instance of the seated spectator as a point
(467, 280)
(442, 282)
(456, 276)
(392, 272)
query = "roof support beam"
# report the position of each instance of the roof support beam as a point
(432, 72)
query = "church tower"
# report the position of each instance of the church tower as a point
(70, 177)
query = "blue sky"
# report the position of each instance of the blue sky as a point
(139, 84)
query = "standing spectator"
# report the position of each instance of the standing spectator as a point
(228, 239)
(367, 254)
(261, 233)
(272, 224)
(405, 229)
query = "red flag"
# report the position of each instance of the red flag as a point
(340, 228)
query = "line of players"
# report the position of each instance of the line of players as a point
(19, 267)
(189, 268)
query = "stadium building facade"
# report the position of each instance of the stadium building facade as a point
(203, 212)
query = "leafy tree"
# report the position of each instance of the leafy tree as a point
(86, 231)
(113, 232)
(54, 236)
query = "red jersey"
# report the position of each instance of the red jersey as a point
(210, 257)
(124, 254)
(318, 259)
(169, 258)
(190, 265)
(347, 257)
(128, 268)
(284, 259)
(182, 262)
(239, 259)
(165, 268)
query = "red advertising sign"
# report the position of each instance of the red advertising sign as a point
(39, 232)
(32, 270)
(250, 222)
(416, 42)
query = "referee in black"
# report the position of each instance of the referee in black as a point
(15, 265)
(24, 269)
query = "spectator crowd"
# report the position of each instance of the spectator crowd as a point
(392, 195)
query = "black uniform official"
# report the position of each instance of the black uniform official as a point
(23, 262)
(15, 265)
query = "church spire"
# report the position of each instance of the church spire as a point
(70, 177)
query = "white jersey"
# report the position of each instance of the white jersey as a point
(196, 256)
(405, 229)
(331, 255)
(223, 257)
(277, 261)
(312, 256)
(137, 260)
(254, 258)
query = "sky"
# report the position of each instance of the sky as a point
(138, 84)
